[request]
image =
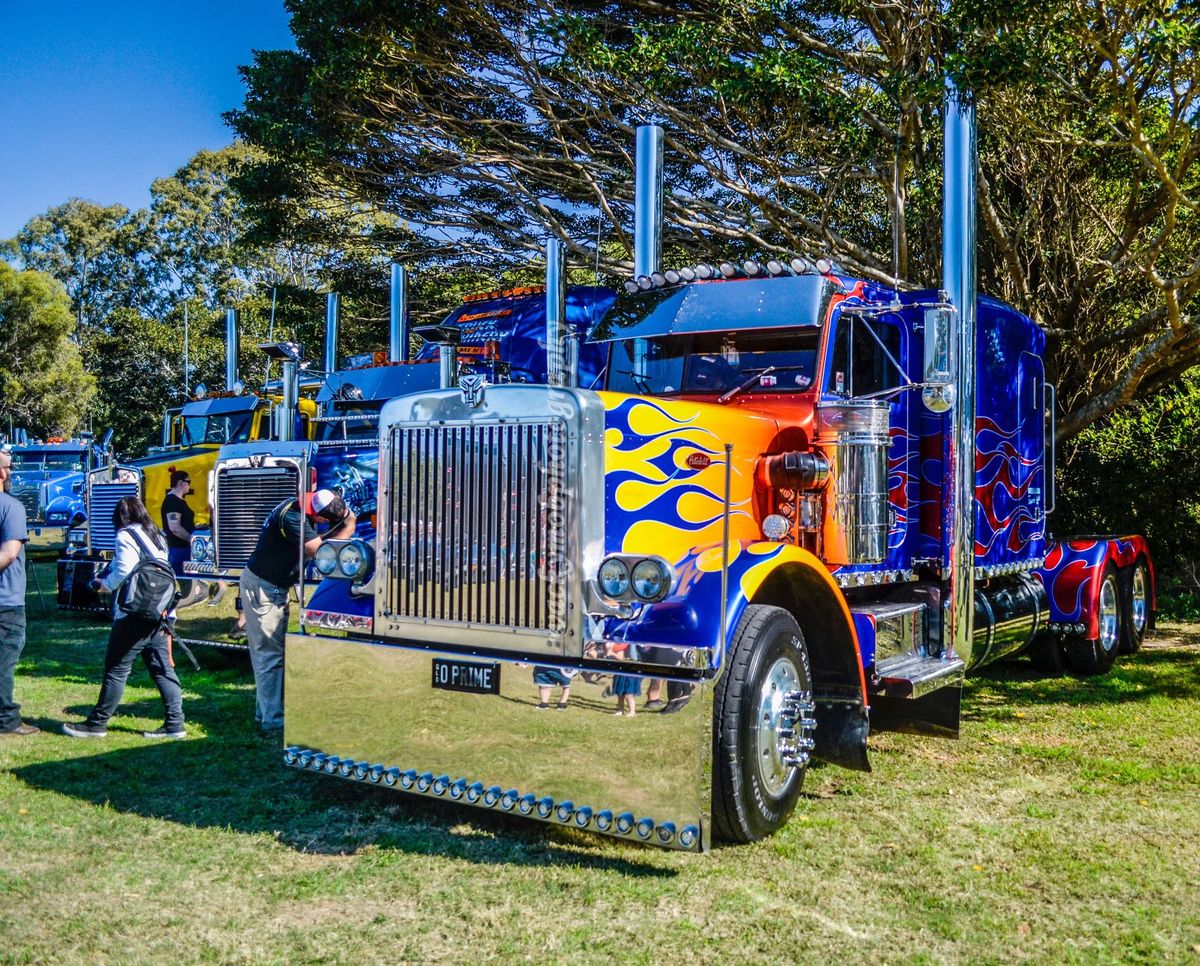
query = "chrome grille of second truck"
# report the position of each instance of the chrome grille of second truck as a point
(104, 499)
(245, 495)
(28, 495)
(482, 524)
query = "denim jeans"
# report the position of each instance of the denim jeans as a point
(12, 642)
(131, 636)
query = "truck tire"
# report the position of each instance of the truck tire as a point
(1096, 657)
(1136, 608)
(762, 726)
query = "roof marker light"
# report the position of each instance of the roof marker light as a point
(632, 287)
(776, 267)
(687, 273)
(705, 271)
(800, 265)
(751, 267)
(729, 270)
(645, 283)
(824, 266)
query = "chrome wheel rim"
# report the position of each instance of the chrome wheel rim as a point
(1138, 600)
(1109, 630)
(772, 769)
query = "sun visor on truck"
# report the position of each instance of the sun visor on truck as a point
(718, 306)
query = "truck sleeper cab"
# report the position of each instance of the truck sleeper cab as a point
(747, 514)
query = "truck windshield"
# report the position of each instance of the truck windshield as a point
(358, 421)
(222, 429)
(784, 360)
(71, 462)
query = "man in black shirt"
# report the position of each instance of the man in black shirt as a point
(178, 520)
(270, 573)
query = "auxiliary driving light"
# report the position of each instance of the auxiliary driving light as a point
(687, 273)
(545, 807)
(424, 781)
(604, 820)
(824, 266)
(729, 270)
(408, 779)
(776, 267)
(317, 762)
(492, 796)
(644, 283)
(672, 276)
(375, 773)
(625, 823)
(474, 792)
(632, 287)
(751, 267)
(391, 776)
(658, 279)
(687, 838)
(289, 754)
(527, 803)
(614, 577)
(775, 526)
(799, 265)
(458, 788)
(440, 784)
(666, 832)
(644, 827)
(326, 559)
(564, 811)
(508, 801)
(651, 579)
(331, 764)
(303, 759)
(361, 769)
(705, 271)
(583, 817)
(346, 767)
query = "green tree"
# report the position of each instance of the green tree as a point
(791, 127)
(43, 386)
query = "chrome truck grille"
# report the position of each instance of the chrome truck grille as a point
(481, 538)
(28, 496)
(102, 500)
(244, 495)
(487, 538)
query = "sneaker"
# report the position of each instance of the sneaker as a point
(85, 730)
(543, 706)
(165, 732)
(22, 730)
(562, 706)
(655, 705)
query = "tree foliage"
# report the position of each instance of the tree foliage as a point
(43, 386)
(791, 127)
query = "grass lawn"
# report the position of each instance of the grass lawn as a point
(1064, 825)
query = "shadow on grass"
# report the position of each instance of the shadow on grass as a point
(236, 780)
(1166, 673)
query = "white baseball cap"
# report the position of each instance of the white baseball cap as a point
(318, 500)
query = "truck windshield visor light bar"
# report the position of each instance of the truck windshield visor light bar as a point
(635, 579)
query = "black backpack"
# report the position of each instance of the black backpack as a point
(150, 591)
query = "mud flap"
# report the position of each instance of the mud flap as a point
(841, 734)
(935, 714)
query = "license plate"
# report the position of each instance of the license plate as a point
(466, 676)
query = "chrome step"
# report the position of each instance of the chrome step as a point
(912, 676)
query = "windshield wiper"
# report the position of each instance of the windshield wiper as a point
(639, 380)
(758, 374)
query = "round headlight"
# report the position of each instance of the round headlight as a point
(651, 579)
(614, 577)
(775, 526)
(238, 387)
(326, 560)
(352, 560)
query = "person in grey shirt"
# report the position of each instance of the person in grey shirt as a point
(13, 536)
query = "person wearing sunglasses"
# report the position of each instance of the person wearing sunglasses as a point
(178, 520)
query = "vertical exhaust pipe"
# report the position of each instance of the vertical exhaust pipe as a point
(557, 370)
(648, 201)
(285, 431)
(958, 280)
(231, 348)
(398, 319)
(333, 306)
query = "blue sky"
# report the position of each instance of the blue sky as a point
(100, 97)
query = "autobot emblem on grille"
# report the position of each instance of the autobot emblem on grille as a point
(472, 387)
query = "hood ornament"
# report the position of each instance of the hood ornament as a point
(472, 387)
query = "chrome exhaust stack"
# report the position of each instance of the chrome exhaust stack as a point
(231, 349)
(333, 307)
(398, 319)
(959, 283)
(648, 201)
(559, 339)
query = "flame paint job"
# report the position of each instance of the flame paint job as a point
(1073, 570)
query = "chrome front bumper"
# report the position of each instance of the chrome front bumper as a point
(368, 711)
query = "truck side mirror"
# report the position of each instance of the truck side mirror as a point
(937, 391)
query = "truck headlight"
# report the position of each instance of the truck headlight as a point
(326, 559)
(201, 549)
(354, 560)
(76, 538)
(651, 579)
(614, 577)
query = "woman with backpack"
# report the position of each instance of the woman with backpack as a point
(140, 610)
